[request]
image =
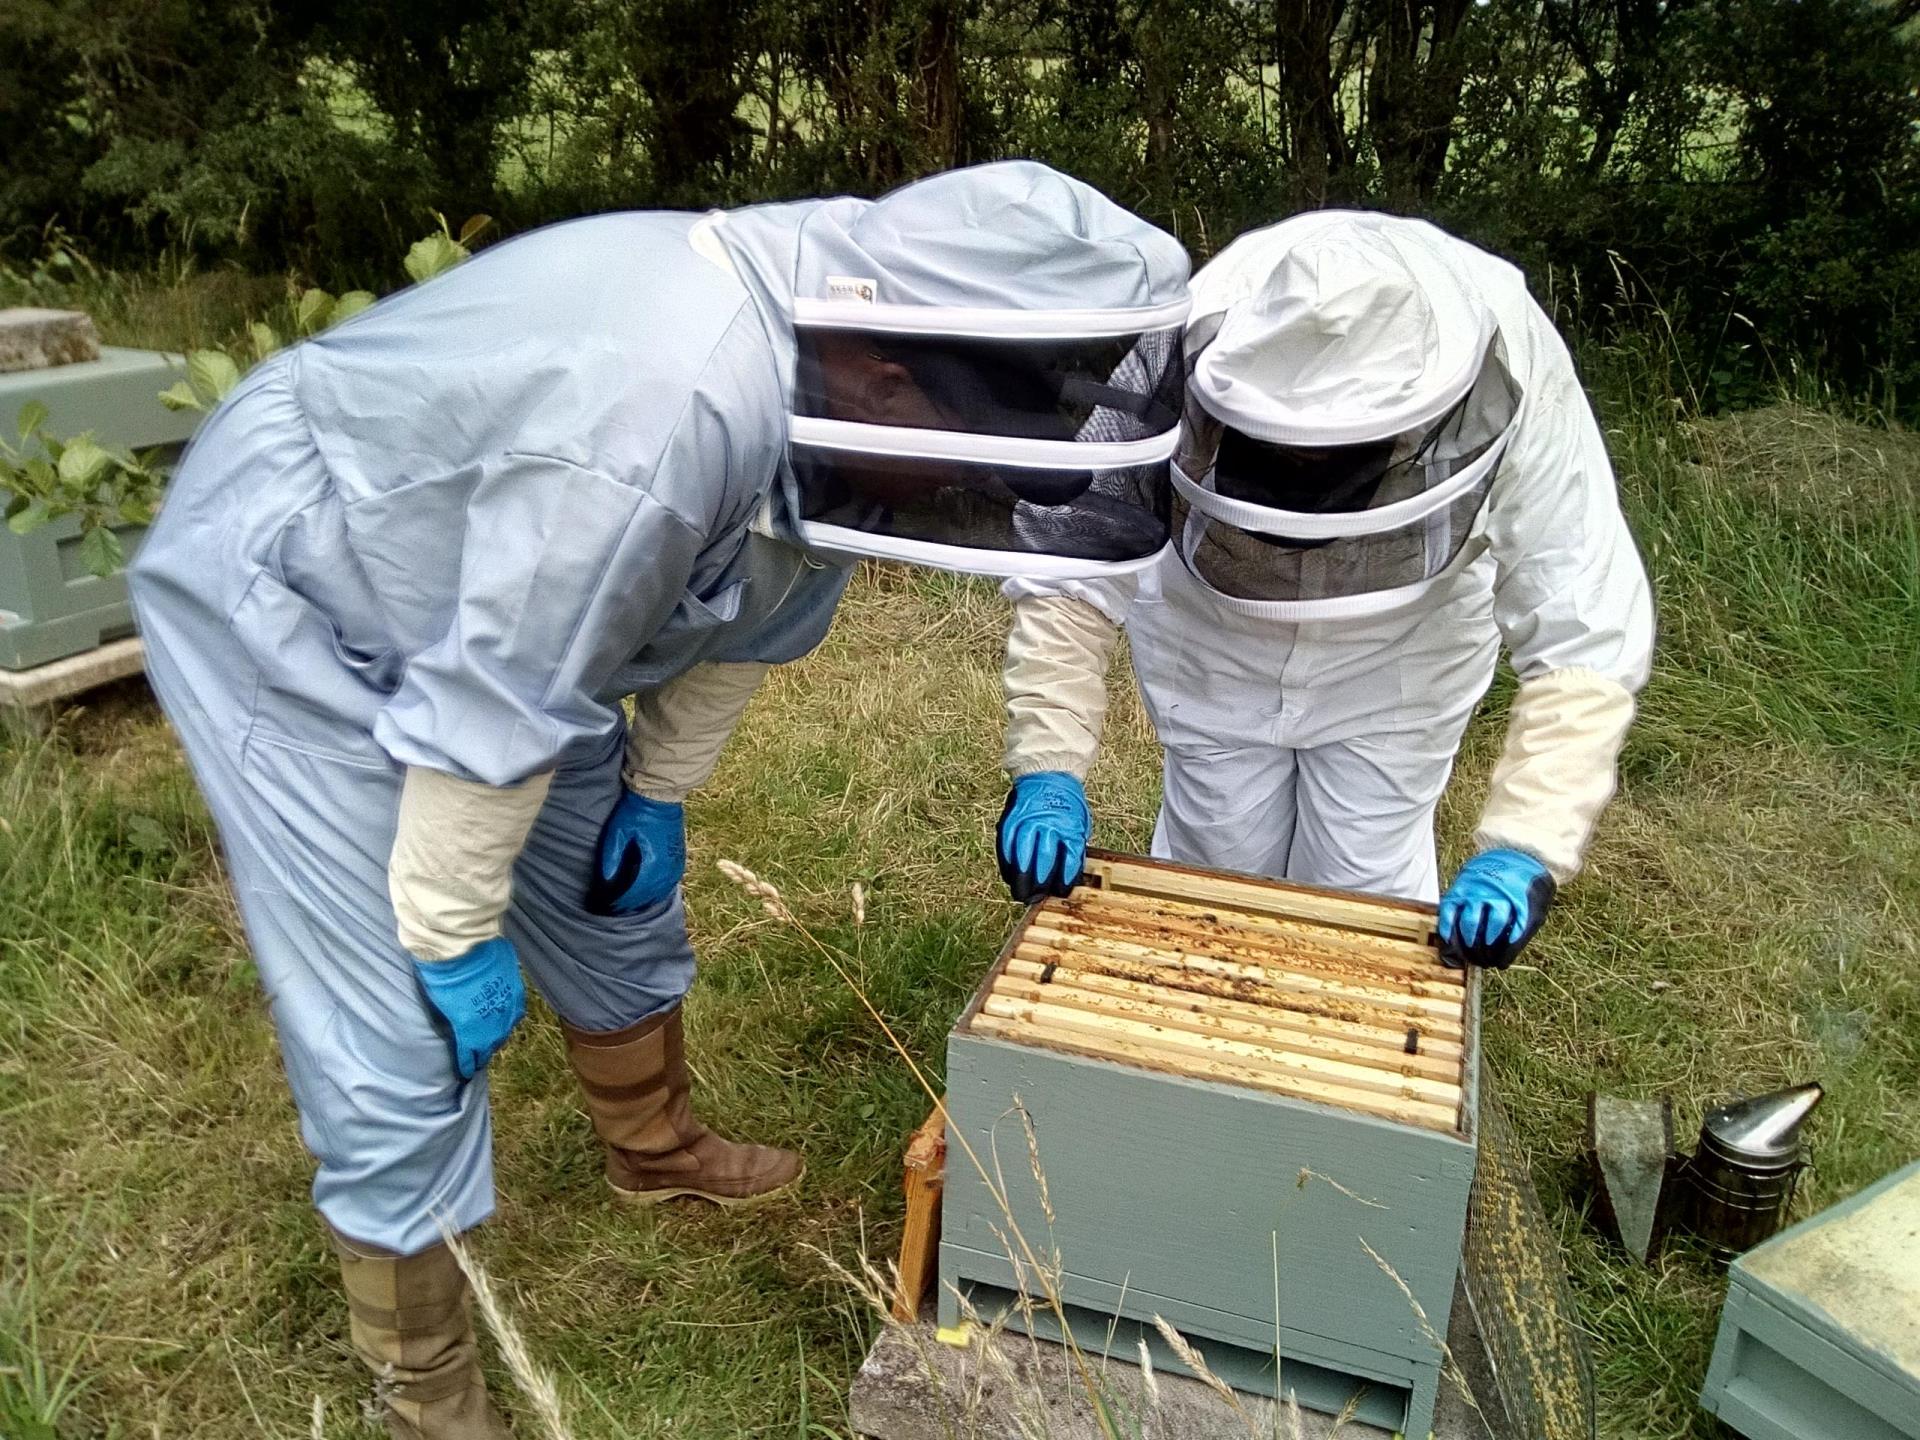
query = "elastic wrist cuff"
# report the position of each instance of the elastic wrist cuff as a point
(1560, 869)
(648, 788)
(1062, 762)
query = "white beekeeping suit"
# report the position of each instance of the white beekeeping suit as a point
(1388, 469)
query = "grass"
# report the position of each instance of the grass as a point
(171, 305)
(1750, 918)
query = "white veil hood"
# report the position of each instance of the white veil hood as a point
(1052, 311)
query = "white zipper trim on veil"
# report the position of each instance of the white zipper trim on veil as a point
(905, 443)
(1335, 525)
(987, 323)
(963, 559)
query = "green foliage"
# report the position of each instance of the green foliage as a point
(429, 257)
(445, 77)
(1753, 167)
(44, 479)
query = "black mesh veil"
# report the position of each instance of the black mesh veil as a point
(1035, 389)
(1293, 526)
(1039, 448)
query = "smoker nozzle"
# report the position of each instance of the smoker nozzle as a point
(1763, 1130)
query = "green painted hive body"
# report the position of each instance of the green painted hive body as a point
(51, 604)
(1820, 1338)
(1209, 1204)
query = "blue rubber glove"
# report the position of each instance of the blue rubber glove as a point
(1043, 834)
(641, 857)
(481, 997)
(1493, 908)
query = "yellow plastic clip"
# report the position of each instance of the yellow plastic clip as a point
(960, 1336)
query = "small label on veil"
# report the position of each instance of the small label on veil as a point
(852, 287)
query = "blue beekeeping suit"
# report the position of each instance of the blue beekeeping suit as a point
(431, 551)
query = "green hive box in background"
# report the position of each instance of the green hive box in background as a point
(1820, 1339)
(51, 605)
(1198, 1197)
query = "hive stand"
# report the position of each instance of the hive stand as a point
(1224, 1102)
(925, 1182)
(914, 1386)
(28, 697)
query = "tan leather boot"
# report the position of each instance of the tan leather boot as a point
(637, 1093)
(410, 1323)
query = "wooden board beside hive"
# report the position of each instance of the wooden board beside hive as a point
(1241, 1094)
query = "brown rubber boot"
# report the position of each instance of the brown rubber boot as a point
(637, 1093)
(409, 1320)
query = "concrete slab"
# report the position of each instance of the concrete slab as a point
(1011, 1387)
(28, 696)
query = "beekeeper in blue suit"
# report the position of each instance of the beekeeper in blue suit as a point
(1388, 472)
(410, 569)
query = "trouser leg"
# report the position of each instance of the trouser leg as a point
(599, 972)
(1228, 809)
(1366, 814)
(402, 1143)
(275, 716)
(1209, 681)
(617, 982)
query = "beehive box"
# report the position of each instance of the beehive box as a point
(1243, 1107)
(51, 604)
(1820, 1338)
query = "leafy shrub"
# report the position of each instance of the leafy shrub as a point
(46, 478)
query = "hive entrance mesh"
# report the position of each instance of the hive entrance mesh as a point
(1536, 1352)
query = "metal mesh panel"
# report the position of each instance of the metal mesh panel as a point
(1541, 1370)
(1113, 388)
(1114, 515)
(1248, 566)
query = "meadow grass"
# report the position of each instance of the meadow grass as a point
(1749, 919)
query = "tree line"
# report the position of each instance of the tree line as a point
(1748, 168)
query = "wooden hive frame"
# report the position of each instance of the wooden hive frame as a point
(1309, 994)
(1185, 1048)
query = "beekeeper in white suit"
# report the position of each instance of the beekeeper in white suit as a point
(1388, 468)
(409, 570)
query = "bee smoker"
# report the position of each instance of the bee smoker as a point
(1735, 1191)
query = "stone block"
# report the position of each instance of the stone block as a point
(42, 339)
(1012, 1387)
(28, 698)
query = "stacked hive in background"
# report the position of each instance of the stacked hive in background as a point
(1820, 1338)
(51, 605)
(1248, 1101)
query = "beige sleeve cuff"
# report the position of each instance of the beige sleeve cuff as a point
(679, 730)
(451, 871)
(1564, 733)
(1056, 683)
